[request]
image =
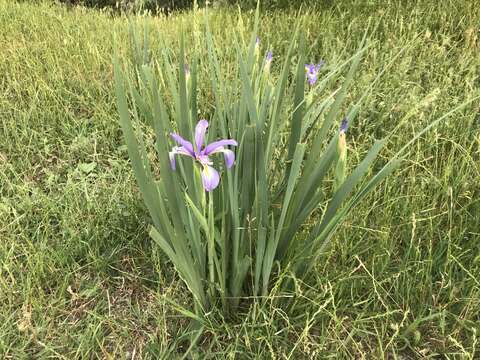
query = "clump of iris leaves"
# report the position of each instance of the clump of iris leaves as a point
(229, 234)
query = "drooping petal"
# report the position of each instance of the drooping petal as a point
(200, 130)
(173, 164)
(229, 157)
(210, 178)
(187, 145)
(177, 150)
(210, 148)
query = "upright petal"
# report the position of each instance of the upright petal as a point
(210, 178)
(210, 148)
(187, 145)
(200, 131)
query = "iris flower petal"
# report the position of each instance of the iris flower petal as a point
(228, 155)
(312, 72)
(173, 164)
(184, 143)
(200, 131)
(177, 150)
(210, 178)
(210, 148)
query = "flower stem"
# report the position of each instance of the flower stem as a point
(211, 245)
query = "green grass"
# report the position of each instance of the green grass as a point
(79, 277)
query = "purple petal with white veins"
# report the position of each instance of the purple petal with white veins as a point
(210, 148)
(200, 131)
(210, 178)
(184, 143)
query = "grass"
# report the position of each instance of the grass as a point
(79, 277)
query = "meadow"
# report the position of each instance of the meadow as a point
(79, 275)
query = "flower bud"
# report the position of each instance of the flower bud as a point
(341, 168)
(268, 62)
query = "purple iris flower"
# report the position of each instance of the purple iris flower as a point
(312, 72)
(257, 41)
(210, 176)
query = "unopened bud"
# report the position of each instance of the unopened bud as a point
(341, 168)
(268, 62)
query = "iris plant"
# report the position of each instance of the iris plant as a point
(210, 176)
(234, 245)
